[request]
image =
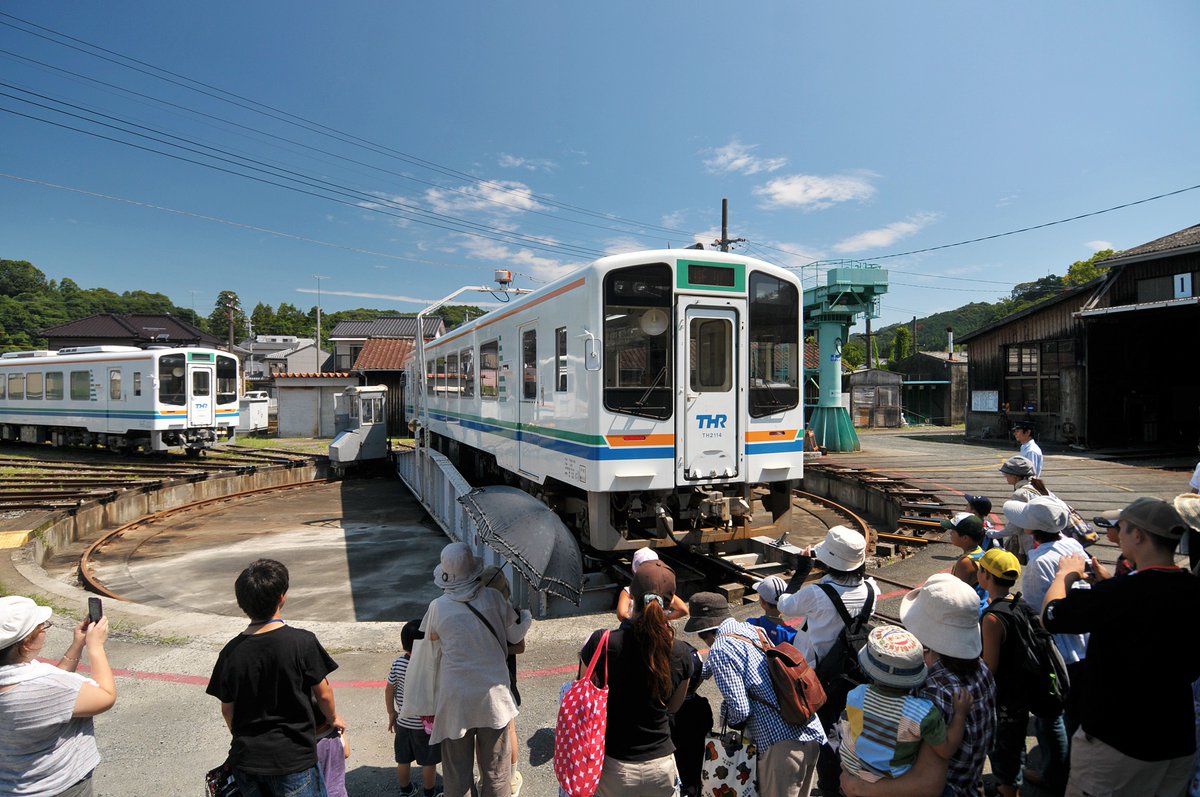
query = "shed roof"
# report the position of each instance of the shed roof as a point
(387, 327)
(112, 326)
(1028, 311)
(1183, 239)
(381, 354)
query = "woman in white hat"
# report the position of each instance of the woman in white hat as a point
(676, 611)
(475, 627)
(48, 745)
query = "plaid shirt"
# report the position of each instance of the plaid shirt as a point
(965, 774)
(740, 670)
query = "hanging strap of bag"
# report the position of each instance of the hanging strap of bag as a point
(601, 652)
(763, 644)
(836, 599)
(484, 620)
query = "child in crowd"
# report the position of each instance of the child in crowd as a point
(412, 738)
(999, 571)
(966, 534)
(769, 590)
(676, 611)
(884, 725)
(981, 506)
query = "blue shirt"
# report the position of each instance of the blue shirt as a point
(777, 630)
(740, 671)
(1033, 452)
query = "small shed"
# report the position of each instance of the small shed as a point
(875, 398)
(935, 387)
(306, 402)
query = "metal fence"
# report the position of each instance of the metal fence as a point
(437, 484)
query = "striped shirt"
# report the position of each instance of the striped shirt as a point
(965, 773)
(43, 748)
(740, 671)
(396, 679)
(881, 732)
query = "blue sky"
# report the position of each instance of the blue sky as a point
(562, 131)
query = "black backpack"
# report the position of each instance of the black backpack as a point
(1041, 672)
(839, 670)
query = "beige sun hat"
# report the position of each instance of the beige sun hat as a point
(458, 566)
(943, 613)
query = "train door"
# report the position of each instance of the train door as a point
(709, 378)
(201, 400)
(527, 398)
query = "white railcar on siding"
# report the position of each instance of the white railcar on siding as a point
(120, 397)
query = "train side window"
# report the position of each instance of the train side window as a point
(172, 389)
(3, 388)
(114, 385)
(16, 386)
(453, 385)
(489, 370)
(560, 360)
(466, 378)
(137, 383)
(774, 332)
(54, 386)
(440, 371)
(638, 377)
(227, 380)
(529, 364)
(201, 382)
(33, 386)
(81, 385)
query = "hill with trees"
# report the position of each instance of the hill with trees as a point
(30, 303)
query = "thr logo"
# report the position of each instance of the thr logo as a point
(712, 421)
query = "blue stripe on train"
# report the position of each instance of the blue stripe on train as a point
(595, 453)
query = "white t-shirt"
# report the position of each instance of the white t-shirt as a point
(824, 622)
(1033, 452)
(43, 749)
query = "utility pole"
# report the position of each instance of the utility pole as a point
(318, 278)
(725, 240)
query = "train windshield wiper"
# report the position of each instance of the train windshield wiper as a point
(642, 401)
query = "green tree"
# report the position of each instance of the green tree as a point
(854, 353)
(1084, 271)
(227, 309)
(902, 344)
(20, 276)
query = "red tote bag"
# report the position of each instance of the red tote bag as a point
(579, 732)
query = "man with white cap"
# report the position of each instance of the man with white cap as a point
(1044, 519)
(844, 592)
(1135, 624)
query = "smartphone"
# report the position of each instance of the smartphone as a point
(95, 610)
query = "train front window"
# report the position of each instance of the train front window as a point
(638, 378)
(774, 345)
(172, 384)
(227, 380)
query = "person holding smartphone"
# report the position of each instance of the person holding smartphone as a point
(49, 744)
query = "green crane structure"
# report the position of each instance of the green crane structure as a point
(852, 289)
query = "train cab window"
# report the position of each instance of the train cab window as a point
(137, 383)
(368, 412)
(529, 364)
(466, 372)
(81, 385)
(33, 387)
(453, 385)
(114, 385)
(638, 378)
(227, 380)
(172, 371)
(774, 332)
(16, 386)
(201, 382)
(54, 386)
(560, 360)
(489, 370)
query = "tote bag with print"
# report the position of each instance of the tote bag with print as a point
(579, 731)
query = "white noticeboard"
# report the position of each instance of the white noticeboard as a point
(985, 400)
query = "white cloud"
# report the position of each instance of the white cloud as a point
(813, 192)
(498, 196)
(508, 161)
(1006, 200)
(738, 158)
(886, 236)
(1098, 246)
(527, 261)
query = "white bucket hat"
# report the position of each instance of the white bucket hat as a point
(19, 616)
(1040, 514)
(842, 549)
(943, 613)
(893, 657)
(459, 566)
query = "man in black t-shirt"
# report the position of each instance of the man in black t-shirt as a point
(267, 678)
(1137, 652)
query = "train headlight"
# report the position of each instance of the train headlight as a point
(654, 322)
